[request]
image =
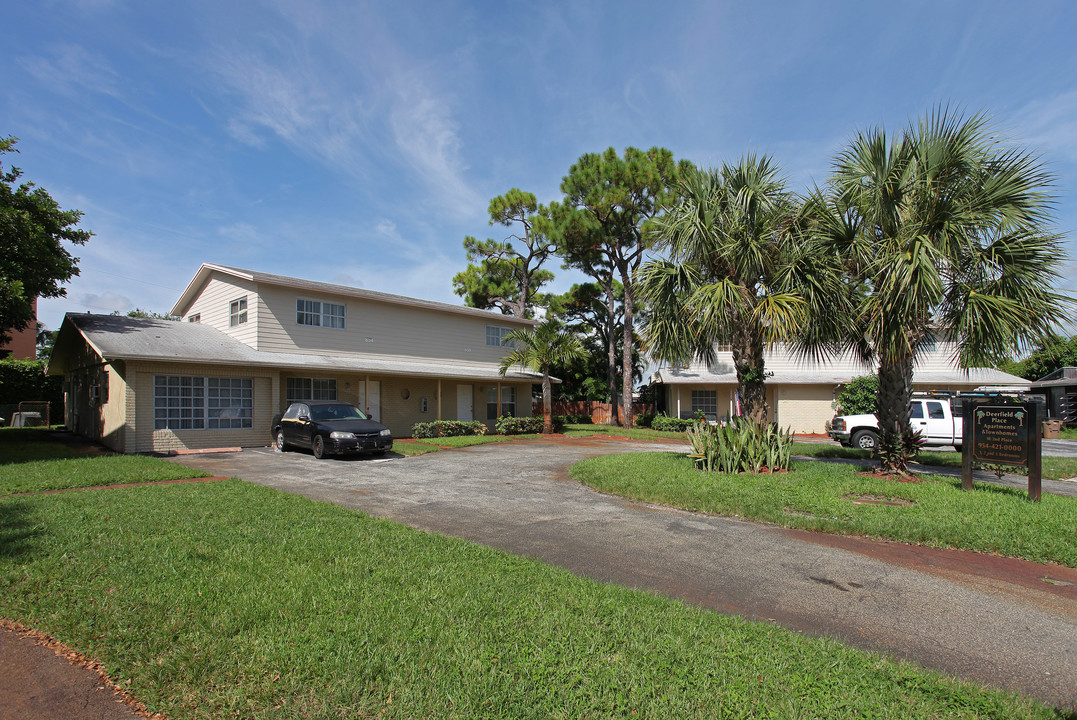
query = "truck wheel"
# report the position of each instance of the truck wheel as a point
(865, 440)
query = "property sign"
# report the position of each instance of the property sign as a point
(997, 432)
(1000, 434)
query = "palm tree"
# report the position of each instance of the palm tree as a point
(728, 278)
(538, 349)
(947, 231)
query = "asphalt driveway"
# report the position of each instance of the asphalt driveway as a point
(1002, 622)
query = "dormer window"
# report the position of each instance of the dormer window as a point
(237, 312)
(197, 317)
(316, 313)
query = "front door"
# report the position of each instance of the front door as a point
(372, 405)
(465, 402)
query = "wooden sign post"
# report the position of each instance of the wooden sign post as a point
(998, 432)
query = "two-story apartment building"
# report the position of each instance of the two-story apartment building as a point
(249, 343)
(801, 394)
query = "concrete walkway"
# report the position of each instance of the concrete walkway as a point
(1001, 622)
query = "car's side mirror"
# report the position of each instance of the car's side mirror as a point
(303, 418)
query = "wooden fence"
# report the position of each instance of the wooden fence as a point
(601, 413)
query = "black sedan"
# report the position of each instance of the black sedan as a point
(330, 428)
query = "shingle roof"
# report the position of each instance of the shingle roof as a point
(125, 338)
(978, 376)
(314, 286)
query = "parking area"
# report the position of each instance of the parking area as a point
(910, 601)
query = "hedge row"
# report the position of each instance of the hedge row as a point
(447, 428)
(671, 424)
(518, 425)
(22, 380)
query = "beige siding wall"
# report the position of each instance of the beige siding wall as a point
(213, 304)
(265, 384)
(398, 412)
(376, 329)
(95, 396)
(804, 408)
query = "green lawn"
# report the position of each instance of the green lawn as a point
(1052, 468)
(234, 600)
(633, 433)
(30, 461)
(819, 496)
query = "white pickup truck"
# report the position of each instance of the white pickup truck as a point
(933, 417)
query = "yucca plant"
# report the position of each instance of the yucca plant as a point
(743, 445)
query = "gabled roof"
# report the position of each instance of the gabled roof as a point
(123, 338)
(204, 272)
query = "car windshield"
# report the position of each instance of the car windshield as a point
(336, 412)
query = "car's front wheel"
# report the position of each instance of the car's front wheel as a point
(317, 446)
(280, 441)
(866, 440)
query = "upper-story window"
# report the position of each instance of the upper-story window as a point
(319, 314)
(237, 312)
(197, 317)
(495, 336)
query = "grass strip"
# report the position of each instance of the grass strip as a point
(1052, 468)
(77, 472)
(230, 599)
(580, 430)
(819, 496)
(413, 448)
(469, 440)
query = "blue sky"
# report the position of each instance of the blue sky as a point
(359, 143)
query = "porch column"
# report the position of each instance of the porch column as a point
(499, 398)
(366, 394)
(677, 389)
(439, 398)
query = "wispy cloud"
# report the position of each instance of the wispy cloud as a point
(1049, 126)
(72, 70)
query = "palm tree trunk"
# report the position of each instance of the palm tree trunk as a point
(626, 357)
(547, 403)
(895, 404)
(747, 349)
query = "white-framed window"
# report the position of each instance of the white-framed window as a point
(307, 389)
(197, 317)
(508, 401)
(707, 401)
(237, 312)
(495, 336)
(189, 402)
(319, 314)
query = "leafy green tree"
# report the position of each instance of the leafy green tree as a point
(140, 313)
(1050, 355)
(602, 226)
(947, 230)
(33, 260)
(508, 274)
(25, 380)
(727, 280)
(45, 340)
(860, 396)
(538, 349)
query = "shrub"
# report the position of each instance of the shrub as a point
(898, 448)
(447, 428)
(671, 424)
(572, 420)
(860, 396)
(518, 425)
(644, 419)
(22, 380)
(740, 446)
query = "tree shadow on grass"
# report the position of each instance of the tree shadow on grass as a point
(19, 529)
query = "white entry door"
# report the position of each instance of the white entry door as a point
(371, 407)
(465, 402)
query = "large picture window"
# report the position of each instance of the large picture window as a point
(707, 401)
(508, 401)
(319, 314)
(307, 389)
(188, 402)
